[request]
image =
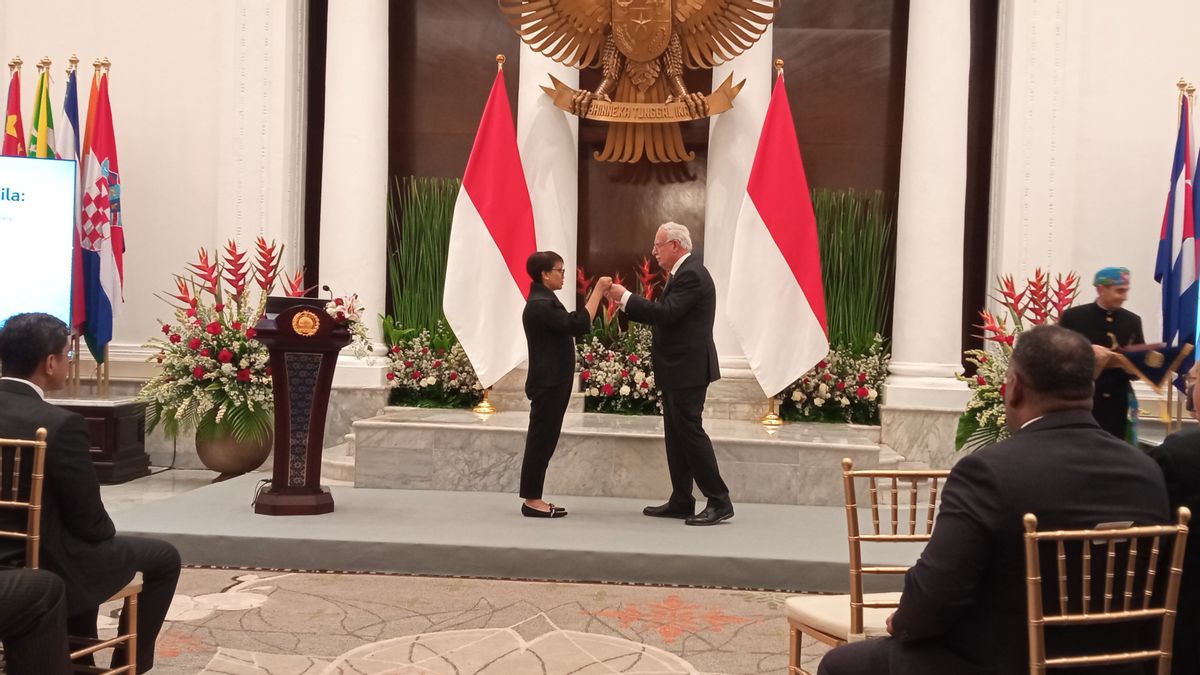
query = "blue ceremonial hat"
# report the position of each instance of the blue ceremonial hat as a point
(1112, 276)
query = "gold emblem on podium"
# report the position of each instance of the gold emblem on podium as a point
(306, 323)
(643, 47)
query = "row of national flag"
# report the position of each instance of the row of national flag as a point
(775, 248)
(1178, 249)
(99, 244)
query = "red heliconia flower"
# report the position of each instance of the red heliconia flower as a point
(208, 272)
(994, 329)
(293, 287)
(236, 269)
(390, 375)
(175, 338)
(214, 328)
(979, 380)
(224, 356)
(194, 344)
(266, 263)
(582, 282)
(197, 372)
(646, 278)
(185, 292)
(607, 389)
(243, 375)
(1065, 291)
(585, 374)
(862, 392)
(1037, 305)
(1010, 298)
(251, 333)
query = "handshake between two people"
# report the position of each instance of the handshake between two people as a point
(604, 288)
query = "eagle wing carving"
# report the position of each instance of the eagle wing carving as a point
(715, 31)
(571, 32)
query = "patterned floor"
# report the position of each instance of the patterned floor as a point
(243, 623)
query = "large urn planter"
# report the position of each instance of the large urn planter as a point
(229, 457)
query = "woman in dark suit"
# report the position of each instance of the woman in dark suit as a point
(550, 331)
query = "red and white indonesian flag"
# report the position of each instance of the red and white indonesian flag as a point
(491, 237)
(776, 299)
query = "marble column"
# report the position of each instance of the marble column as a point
(732, 142)
(921, 394)
(354, 177)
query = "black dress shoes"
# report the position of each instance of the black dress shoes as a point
(669, 510)
(711, 515)
(554, 512)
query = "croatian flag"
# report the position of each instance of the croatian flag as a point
(1175, 268)
(491, 236)
(776, 255)
(102, 235)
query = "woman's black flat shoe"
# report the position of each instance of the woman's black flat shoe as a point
(554, 512)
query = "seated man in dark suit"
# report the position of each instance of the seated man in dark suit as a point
(33, 623)
(1179, 458)
(963, 606)
(79, 541)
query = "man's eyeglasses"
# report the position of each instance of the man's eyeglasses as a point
(70, 356)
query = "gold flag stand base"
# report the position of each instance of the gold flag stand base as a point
(485, 406)
(770, 420)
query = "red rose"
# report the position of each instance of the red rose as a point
(441, 351)
(645, 384)
(979, 380)
(588, 357)
(191, 312)
(611, 356)
(983, 359)
(585, 374)
(863, 392)
(862, 377)
(213, 328)
(194, 344)
(338, 301)
(453, 376)
(396, 349)
(159, 358)
(624, 373)
(408, 364)
(220, 307)
(250, 333)
(607, 389)
(243, 375)
(424, 350)
(166, 328)
(416, 375)
(633, 358)
(175, 338)
(341, 316)
(197, 372)
(204, 352)
(268, 371)
(840, 385)
(822, 365)
(236, 325)
(437, 363)
(225, 356)
(825, 377)
(390, 376)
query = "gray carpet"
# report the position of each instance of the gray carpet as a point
(793, 548)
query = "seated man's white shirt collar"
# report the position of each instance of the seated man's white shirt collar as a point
(41, 394)
(674, 270)
(1032, 421)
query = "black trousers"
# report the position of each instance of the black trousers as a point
(690, 453)
(33, 622)
(159, 563)
(1110, 406)
(546, 409)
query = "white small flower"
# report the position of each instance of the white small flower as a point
(638, 376)
(844, 401)
(871, 396)
(823, 390)
(625, 390)
(797, 395)
(818, 401)
(593, 391)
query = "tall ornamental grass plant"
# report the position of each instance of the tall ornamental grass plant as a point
(419, 213)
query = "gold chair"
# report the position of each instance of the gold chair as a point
(1138, 551)
(22, 474)
(837, 619)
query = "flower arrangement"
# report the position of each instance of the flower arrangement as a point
(214, 374)
(429, 369)
(619, 377)
(842, 387)
(348, 311)
(983, 422)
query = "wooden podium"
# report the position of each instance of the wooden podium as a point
(304, 342)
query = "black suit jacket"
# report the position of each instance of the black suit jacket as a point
(550, 331)
(964, 600)
(1179, 459)
(682, 347)
(77, 534)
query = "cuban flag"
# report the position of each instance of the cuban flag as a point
(1175, 269)
(102, 235)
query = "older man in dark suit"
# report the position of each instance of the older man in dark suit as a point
(79, 541)
(33, 623)
(685, 363)
(963, 607)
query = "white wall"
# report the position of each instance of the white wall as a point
(208, 113)
(1086, 115)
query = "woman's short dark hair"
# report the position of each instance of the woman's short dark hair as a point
(27, 339)
(1055, 362)
(542, 261)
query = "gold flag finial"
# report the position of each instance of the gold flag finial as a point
(106, 64)
(15, 63)
(1182, 84)
(1191, 90)
(73, 63)
(778, 66)
(96, 65)
(500, 61)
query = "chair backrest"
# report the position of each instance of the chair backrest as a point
(909, 522)
(1128, 591)
(22, 465)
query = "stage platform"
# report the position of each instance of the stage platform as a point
(480, 534)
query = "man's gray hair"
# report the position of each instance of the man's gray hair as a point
(679, 233)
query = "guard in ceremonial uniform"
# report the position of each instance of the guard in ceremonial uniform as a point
(1108, 325)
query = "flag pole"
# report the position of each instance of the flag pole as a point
(104, 382)
(770, 419)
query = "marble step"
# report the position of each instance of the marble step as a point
(337, 463)
(606, 455)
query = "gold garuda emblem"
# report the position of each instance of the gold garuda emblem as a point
(643, 47)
